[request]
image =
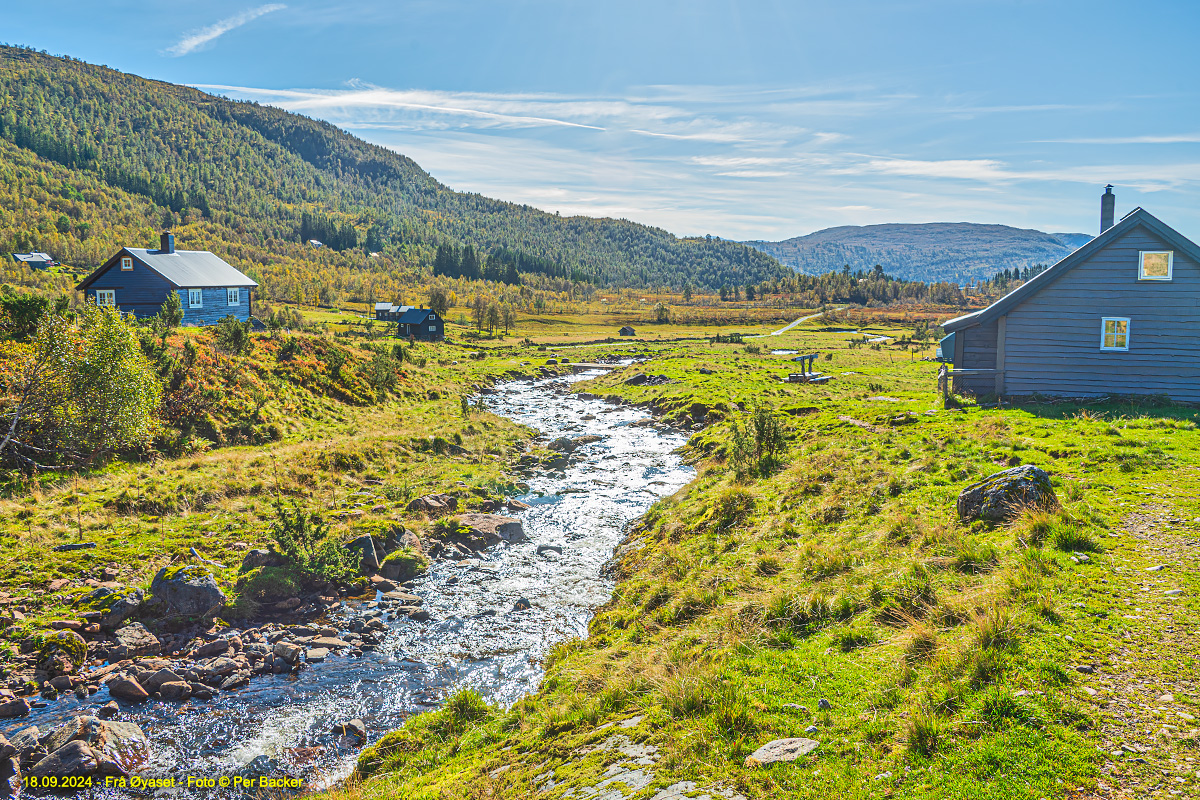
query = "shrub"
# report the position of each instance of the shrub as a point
(304, 540)
(758, 442)
(233, 335)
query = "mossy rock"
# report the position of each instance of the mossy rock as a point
(62, 653)
(1005, 494)
(404, 565)
(117, 605)
(270, 584)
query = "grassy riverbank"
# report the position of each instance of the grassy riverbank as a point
(1032, 659)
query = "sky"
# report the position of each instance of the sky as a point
(753, 119)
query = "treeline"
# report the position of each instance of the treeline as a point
(871, 287)
(260, 182)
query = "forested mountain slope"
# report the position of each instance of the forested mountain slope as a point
(91, 158)
(961, 252)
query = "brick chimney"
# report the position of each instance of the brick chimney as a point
(167, 240)
(1108, 204)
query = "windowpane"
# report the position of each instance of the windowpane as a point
(1115, 333)
(1156, 265)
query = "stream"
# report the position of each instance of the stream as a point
(474, 637)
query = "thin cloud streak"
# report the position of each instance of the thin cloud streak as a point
(203, 36)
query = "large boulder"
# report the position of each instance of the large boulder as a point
(403, 565)
(62, 653)
(189, 590)
(1005, 494)
(135, 641)
(492, 529)
(261, 557)
(364, 547)
(435, 505)
(88, 745)
(116, 604)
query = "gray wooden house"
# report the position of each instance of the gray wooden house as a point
(1120, 315)
(138, 280)
(422, 324)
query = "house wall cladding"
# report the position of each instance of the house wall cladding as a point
(1052, 342)
(140, 290)
(215, 306)
(979, 352)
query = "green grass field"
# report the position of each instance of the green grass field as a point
(947, 651)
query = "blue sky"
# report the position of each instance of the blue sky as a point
(742, 119)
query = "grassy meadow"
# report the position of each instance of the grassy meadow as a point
(1033, 659)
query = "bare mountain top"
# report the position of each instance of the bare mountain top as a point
(936, 251)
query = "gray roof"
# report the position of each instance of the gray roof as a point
(383, 306)
(414, 315)
(1135, 218)
(184, 269)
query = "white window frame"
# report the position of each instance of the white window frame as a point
(233, 296)
(1142, 276)
(195, 298)
(106, 298)
(126, 263)
(433, 328)
(1104, 334)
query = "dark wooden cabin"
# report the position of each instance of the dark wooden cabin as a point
(138, 281)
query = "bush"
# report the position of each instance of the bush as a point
(304, 540)
(233, 336)
(758, 442)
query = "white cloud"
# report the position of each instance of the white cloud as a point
(1185, 138)
(968, 169)
(199, 38)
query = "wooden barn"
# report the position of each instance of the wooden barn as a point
(627, 331)
(137, 280)
(1117, 316)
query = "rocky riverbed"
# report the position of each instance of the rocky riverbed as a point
(299, 692)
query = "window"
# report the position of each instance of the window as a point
(1155, 266)
(433, 328)
(1114, 333)
(233, 296)
(126, 263)
(106, 297)
(195, 298)
(431, 317)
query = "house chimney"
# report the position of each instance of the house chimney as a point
(1108, 204)
(167, 241)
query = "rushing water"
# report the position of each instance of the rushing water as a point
(474, 637)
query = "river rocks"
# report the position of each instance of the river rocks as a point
(781, 750)
(115, 604)
(135, 641)
(191, 591)
(10, 778)
(364, 546)
(156, 680)
(74, 759)
(549, 548)
(435, 505)
(315, 655)
(522, 604)
(128, 689)
(516, 505)
(1005, 494)
(108, 710)
(261, 557)
(88, 745)
(403, 565)
(491, 529)
(354, 727)
(62, 653)
(565, 444)
(287, 651)
(174, 691)
(14, 708)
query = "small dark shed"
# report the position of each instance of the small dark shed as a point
(628, 331)
(422, 324)
(1117, 316)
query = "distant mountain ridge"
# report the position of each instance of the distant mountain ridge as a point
(960, 252)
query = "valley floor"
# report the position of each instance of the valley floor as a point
(834, 596)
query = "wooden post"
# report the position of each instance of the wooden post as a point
(944, 385)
